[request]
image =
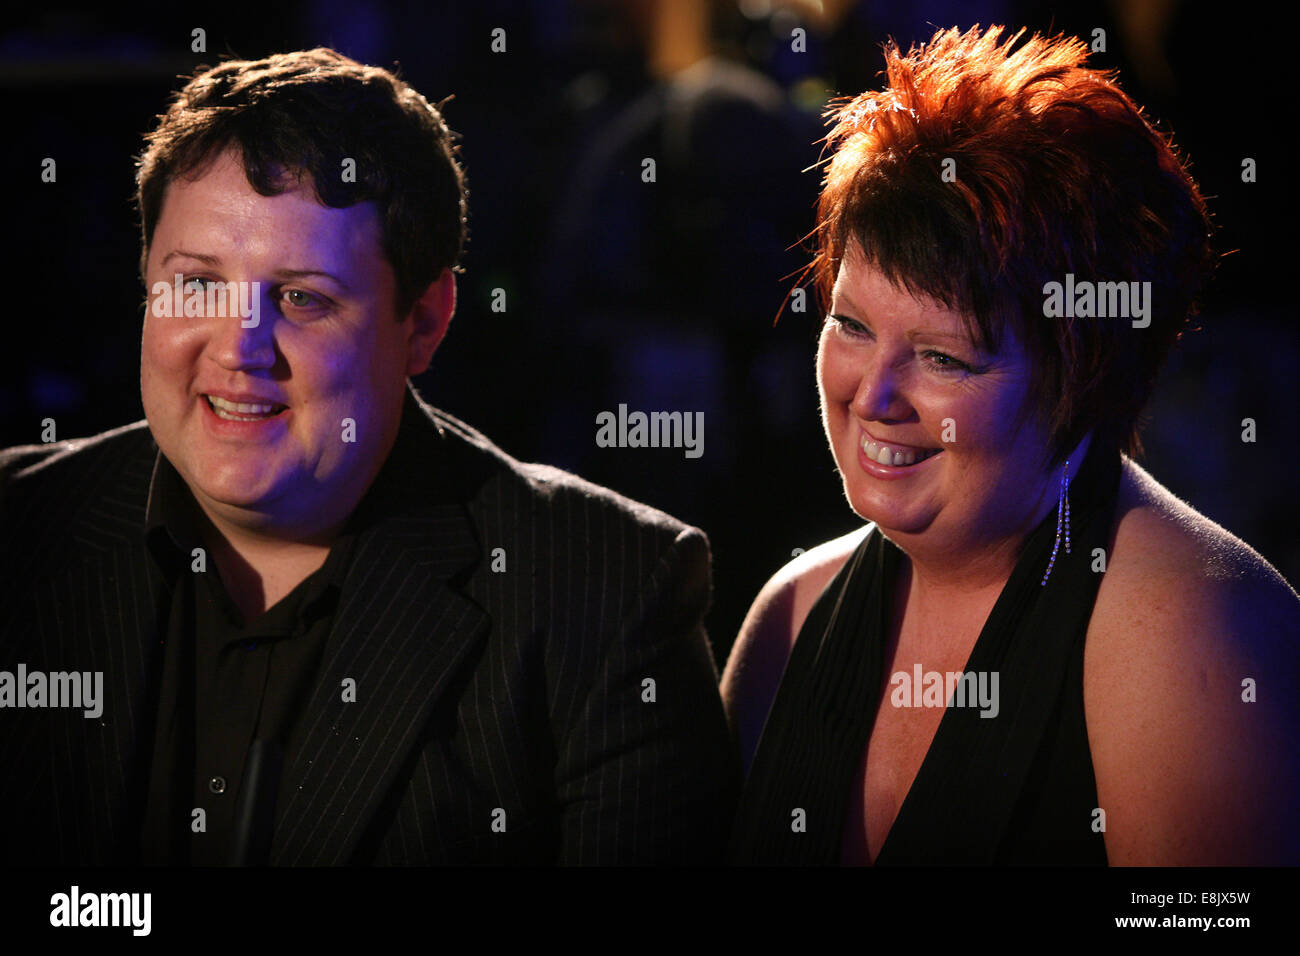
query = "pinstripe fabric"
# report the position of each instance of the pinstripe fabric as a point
(500, 714)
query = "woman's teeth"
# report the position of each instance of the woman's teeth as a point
(241, 411)
(885, 455)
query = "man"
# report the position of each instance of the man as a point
(328, 623)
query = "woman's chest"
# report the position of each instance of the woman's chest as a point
(920, 678)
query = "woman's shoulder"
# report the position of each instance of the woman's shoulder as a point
(1177, 583)
(790, 594)
(1166, 556)
(758, 657)
(1188, 665)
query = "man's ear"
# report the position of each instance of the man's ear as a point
(432, 313)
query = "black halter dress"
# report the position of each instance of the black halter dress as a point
(1017, 788)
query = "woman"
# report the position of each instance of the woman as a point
(1033, 652)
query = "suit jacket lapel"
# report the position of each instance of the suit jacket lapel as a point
(401, 633)
(100, 612)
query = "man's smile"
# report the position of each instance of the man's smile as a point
(242, 419)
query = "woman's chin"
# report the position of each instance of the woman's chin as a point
(890, 517)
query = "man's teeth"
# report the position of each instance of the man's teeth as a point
(239, 411)
(886, 455)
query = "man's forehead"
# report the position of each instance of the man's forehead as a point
(218, 213)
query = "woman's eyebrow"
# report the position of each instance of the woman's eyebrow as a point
(861, 316)
(935, 333)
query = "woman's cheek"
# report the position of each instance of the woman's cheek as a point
(836, 373)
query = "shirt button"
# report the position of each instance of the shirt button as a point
(217, 784)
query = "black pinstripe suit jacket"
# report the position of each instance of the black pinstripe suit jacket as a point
(518, 693)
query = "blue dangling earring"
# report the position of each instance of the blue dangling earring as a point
(1062, 520)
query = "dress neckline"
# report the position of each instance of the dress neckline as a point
(1090, 488)
(958, 805)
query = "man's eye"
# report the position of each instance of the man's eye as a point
(300, 299)
(196, 284)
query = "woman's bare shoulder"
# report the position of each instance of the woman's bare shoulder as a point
(792, 591)
(1193, 639)
(1176, 581)
(1166, 550)
(758, 657)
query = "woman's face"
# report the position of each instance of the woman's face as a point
(901, 373)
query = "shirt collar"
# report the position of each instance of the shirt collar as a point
(172, 532)
(401, 486)
(169, 525)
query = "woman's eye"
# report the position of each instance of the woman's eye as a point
(938, 361)
(946, 363)
(849, 325)
(195, 284)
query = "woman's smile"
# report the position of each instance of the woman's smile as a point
(895, 454)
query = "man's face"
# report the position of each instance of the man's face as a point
(327, 353)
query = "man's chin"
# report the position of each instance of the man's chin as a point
(233, 489)
(229, 503)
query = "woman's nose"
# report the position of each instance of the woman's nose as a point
(880, 391)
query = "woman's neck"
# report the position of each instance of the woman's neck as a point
(971, 562)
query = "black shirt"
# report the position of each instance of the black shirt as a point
(225, 683)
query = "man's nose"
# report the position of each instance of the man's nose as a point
(244, 342)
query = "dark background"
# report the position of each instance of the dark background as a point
(661, 296)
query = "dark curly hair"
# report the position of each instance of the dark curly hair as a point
(303, 114)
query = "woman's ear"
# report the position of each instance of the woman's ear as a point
(432, 313)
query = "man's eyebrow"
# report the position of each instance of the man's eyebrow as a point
(207, 260)
(215, 261)
(303, 273)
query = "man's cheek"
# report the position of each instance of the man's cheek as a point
(160, 344)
